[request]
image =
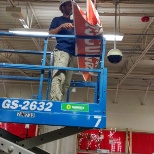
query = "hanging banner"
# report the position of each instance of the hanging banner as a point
(87, 24)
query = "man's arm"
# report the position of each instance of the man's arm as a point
(65, 25)
(56, 30)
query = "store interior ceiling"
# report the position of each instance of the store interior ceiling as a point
(135, 20)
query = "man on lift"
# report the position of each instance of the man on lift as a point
(63, 51)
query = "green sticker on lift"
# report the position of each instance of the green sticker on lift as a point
(75, 107)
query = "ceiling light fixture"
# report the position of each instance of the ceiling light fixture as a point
(111, 37)
(27, 31)
(44, 32)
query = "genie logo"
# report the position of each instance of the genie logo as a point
(26, 114)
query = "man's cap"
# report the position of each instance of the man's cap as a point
(62, 3)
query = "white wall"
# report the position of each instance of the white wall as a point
(129, 111)
(126, 113)
(66, 145)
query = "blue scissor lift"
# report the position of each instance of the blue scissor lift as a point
(75, 117)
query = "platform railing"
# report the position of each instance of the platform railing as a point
(40, 111)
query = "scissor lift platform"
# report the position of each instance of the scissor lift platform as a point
(75, 116)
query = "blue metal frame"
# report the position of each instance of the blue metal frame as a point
(47, 112)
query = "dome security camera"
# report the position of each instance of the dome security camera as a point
(114, 56)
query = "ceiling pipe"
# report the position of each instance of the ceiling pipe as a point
(115, 32)
(133, 34)
(145, 30)
(145, 96)
(36, 18)
(34, 39)
(11, 2)
(33, 12)
(36, 85)
(5, 93)
(130, 1)
(127, 14)
(115, 26)
(116, 95)
(22, 72)
(132, 67)
(98, 2)
(137, 61)
(115, 55)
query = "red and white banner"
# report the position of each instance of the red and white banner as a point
(94, 139)
(115, 141)
(87, 24)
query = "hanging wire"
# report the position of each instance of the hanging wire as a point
(119, 18)
(115, 27)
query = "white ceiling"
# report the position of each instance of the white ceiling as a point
(134, 72)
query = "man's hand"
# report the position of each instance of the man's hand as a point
(67, 25)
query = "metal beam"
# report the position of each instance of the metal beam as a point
(11, 2)
(132, 67)
(127, 14)
(22, 72)
(50, 136)
(10, 46)
(98, 1)
(13, 138)
(36, 18)
(10, 147)
(137, 61)
(32, 10)
(139, 40)
(145, 30)
(34, 39)
(129, 1)
(145, 96)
